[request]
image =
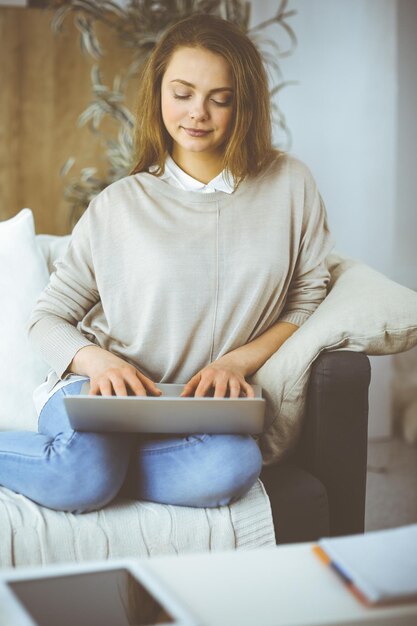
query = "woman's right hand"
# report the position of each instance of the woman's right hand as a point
(110, 375)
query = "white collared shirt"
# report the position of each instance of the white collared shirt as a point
(176, 177)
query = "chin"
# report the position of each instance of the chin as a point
(192, 147)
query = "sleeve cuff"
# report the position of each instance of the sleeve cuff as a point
(61, 344)
(294, 317)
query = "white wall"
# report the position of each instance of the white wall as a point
(343, 116)
(352, 117)
(405, 233)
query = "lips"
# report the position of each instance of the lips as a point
(193, 132)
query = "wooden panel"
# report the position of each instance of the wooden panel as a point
(44, 86)
(9, 115)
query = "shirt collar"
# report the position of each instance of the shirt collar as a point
(222, 182)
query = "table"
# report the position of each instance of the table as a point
(285, 585)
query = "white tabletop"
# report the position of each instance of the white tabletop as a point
(286, 585)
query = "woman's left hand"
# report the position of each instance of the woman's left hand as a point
(222, 378)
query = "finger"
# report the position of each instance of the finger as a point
(249, 391)
(189, 387)
(150, 386)
(220, 389)
(106, 388)
(234, 387)
(188, 390)
(135, 384)
(203, 387)
(119, 386)
(94, 389)
(143, 385)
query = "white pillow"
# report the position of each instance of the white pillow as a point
(23, 275)
(364, 312)
(53, 247)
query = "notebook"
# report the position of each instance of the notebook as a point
(378, 567)
(167, 413)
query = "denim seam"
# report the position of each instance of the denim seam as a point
(75, 432)
(172, 447)
(18, 454)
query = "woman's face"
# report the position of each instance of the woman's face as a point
(197, 102)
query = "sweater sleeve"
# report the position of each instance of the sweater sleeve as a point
(310, 278)
(69, 295)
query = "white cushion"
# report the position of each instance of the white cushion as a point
(363, 312)
(23, 275)
(53, 247)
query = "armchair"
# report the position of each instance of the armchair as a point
(319, 489)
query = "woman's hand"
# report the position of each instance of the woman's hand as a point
(220, 376)
(109, 373)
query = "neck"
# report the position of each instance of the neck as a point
(202, 167)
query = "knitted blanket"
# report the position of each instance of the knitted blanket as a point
(34, 535)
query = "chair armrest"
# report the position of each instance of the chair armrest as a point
(333, 442)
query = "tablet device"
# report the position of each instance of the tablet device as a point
(167, 413)
(121, 592)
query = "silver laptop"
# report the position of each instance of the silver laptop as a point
(167, 413)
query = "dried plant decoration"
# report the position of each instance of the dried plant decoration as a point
(138, 25)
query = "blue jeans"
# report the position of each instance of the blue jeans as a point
(70, 470)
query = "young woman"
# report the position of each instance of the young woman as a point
(194, 269)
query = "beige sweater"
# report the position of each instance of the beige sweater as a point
(170, 279)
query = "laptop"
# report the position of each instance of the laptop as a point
(167, 413)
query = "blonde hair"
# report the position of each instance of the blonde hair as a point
(249, 147)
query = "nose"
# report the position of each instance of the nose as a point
(198, 111)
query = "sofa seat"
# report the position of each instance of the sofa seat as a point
(35, 535)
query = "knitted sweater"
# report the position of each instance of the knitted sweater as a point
(170, 279)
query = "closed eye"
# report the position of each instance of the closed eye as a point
(220, 104)
(223, 104)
